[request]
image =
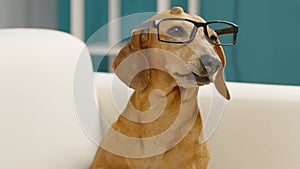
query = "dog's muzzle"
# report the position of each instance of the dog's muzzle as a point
(211, 64)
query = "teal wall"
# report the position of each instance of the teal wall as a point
(269, 41)
(266, 51)
(96, 16)
(63, 11)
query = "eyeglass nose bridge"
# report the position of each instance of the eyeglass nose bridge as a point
(195, 30)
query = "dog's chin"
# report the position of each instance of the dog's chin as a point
(192, 79)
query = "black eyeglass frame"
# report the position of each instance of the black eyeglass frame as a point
(233, 30)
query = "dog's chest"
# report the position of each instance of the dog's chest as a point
(185, 155)
(188, 154)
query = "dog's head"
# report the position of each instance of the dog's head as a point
(175, 47)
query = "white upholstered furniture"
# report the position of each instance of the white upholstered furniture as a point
(39, 128)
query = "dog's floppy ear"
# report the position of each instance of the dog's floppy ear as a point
(220, 81)
(131, 63)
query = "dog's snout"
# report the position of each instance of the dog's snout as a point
(211, 64)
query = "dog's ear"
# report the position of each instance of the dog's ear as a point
(131, 63)
(220, 81)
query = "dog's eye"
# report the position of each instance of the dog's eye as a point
(213, 38)
(176, 31)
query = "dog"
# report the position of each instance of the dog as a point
(161, 125)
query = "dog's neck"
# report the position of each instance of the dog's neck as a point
(161, 85)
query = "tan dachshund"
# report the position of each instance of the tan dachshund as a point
(161, 125)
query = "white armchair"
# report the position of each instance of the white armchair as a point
(38, 124)
(39, 127)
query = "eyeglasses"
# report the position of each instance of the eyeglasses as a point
(180, 30)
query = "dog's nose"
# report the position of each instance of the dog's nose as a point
(211, 64)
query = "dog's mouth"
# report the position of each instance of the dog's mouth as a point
(200, 80)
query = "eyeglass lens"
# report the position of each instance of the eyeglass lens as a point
(175, 30)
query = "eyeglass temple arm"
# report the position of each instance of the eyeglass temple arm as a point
(226, 31)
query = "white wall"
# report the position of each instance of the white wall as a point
(28, 13)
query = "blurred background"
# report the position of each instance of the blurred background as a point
(266, 51)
